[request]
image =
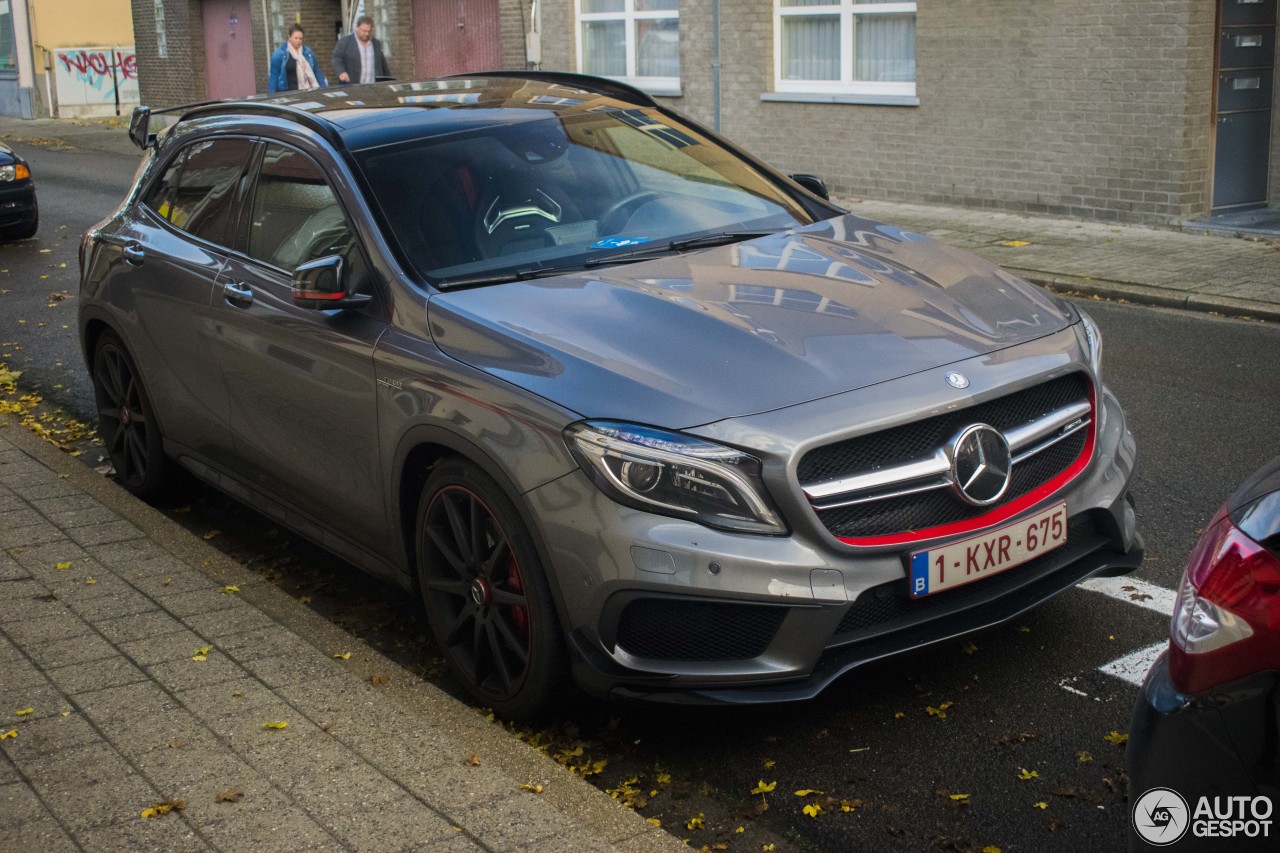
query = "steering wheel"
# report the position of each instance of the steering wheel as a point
(615, 211)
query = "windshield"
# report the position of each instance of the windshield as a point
(560, 191)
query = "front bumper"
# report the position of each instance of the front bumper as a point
(17, 204)
(668, 610)
(1219, 744)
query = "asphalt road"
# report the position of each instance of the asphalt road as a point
(1015, 751)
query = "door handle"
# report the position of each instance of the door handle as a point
(238, 294)
(133, 254)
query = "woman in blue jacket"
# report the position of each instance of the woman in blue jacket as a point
(293, 65)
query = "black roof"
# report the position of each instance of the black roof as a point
(373, 114)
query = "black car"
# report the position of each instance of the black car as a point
(1204, 746)
(19, 214)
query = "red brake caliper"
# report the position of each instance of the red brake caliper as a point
(519, 615)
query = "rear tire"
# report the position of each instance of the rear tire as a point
(486, 594)
(127, 422)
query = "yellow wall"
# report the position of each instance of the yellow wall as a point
(80, 23)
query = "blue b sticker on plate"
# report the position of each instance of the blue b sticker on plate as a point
(619, 242)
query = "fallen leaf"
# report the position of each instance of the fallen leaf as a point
(89, 581)
(959, 797)
(1024, 629)
(807, 792)
(740, 829)
(63, 566)
(472, 760)
(279, 724)
(231, 795)
(1015, 244)
(342, 656)
(1040, 806)
(6, 735)
(970, 648)
(768, 763)
(380, 679)
(23, 712)
(762, 788)
(1084, 757)
(1116, 738)
(306, 599)
(231, 589)
(769, 848)
(210, 535)
(991, 848)
(694, 822)
(166, 581)
(239, 694)
(163, 808)
(813, 810)
(899, 715)
(177, 743)
(654, 821)
(531, 788)
(65, 714)
(1024, 774)
(850, 805)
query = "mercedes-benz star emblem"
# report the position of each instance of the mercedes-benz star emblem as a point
(980, 464)
(957, 380)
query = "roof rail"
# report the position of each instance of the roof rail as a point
(324, 128)
(586, 82)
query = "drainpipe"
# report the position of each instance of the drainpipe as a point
(715, 65)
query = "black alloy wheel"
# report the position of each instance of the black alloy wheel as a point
(486, 595)
(126, 421)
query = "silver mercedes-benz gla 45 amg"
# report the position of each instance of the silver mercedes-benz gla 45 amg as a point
(619, 402)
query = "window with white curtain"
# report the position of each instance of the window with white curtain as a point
(846, 47)
(637, 41)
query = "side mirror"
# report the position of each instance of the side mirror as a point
(813, 184)
(322, 284)
(139, 123)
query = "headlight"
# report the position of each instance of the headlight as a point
(673, 474)
(14, 172)
(1093, 341)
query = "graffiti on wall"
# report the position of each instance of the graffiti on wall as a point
(96, 80)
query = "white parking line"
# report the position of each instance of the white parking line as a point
(1134, 591)
(1133, 667)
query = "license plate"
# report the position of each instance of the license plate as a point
(988, 554)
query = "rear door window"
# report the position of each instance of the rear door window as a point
(203, 196)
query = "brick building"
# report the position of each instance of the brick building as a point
(1148, 111)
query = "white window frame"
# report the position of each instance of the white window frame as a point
(846, 89)
(669, 86)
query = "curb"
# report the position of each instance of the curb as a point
(1142, 294)
(585, 805)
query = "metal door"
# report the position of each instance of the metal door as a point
(1246, 57)
(228, 49)
(455, 36)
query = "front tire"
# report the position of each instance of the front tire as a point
(486, 595)
(126, 420)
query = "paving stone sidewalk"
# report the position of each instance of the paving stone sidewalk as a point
(1154, 266)
(132, 673)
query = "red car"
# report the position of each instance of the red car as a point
(1204, 745)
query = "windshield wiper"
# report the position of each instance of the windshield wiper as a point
(505, 277)
(647, 253)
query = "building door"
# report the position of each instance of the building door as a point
(455, 36)
(228, 49)
(1246, 58)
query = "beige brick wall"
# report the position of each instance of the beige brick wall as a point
(1081, 107)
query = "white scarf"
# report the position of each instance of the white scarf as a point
(306, 77)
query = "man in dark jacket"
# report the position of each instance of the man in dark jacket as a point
(358, 57)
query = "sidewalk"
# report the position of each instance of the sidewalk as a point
(105, 608)
(1151, 266)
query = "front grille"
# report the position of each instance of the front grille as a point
(889, 607)
(669, 629)
(899, 445)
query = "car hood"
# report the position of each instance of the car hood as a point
(692, 338)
